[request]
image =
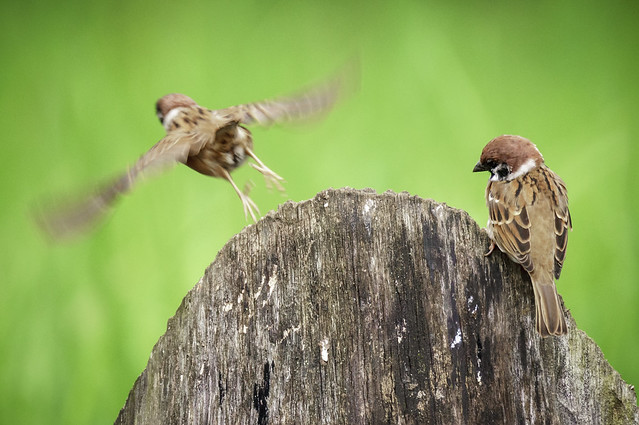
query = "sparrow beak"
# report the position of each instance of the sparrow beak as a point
(479, 167)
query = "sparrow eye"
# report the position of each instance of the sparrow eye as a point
(158, 112)
(490, 164)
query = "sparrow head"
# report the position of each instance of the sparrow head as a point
(508, 157)
(168, 107)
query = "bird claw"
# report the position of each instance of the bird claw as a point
(271, 178)
(490, 249)
(249, 207)
(247, 203)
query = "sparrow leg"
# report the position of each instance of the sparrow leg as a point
(490, 249)
(247, 203)
(269, 175)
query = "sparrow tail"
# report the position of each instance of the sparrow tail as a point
(550, 316)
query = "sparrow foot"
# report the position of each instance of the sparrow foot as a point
(272, 178)
(490, 249)
(247, 203)
(249, 207)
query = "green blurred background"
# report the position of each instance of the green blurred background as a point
(438, 80)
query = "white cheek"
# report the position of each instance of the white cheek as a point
(523, 169)
(168, 119)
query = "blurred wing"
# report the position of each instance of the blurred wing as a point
(563, 221)
(510, 223)
(66, 218)
(175, 147)
(308, 104)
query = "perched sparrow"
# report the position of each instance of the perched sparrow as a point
(529, 218)
(212, 142)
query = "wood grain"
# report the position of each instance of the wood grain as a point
(362, 308)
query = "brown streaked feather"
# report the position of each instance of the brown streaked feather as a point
(281, 110)
(563, 221)
(68, 218)
(516, 249)
(522, 218)
(549, 314)
(211, 142)
(220, 154)
(529, 219)
(175, 147)
(510, 226)
(307, 104)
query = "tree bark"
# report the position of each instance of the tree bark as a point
(359, 308)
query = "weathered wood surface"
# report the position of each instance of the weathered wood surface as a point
(356, 307)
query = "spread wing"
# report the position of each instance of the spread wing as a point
(312, 103)
(510, 222)
(63, 219)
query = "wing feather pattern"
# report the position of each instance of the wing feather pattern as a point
(563, 221)
(307, 104)
(510, 226)
(61, 220)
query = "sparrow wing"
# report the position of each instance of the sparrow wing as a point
(286, 109)
(510, 222)
(311, 103)
(176, 147)
(64, 219)
(563, 221)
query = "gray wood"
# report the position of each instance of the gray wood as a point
(357, 307)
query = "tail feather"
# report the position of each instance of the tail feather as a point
(550, 316)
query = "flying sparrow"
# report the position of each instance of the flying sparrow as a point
(211, 142)
(529, 218)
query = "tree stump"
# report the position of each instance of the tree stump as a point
(363, 308)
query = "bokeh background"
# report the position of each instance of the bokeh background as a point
(78, 85)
